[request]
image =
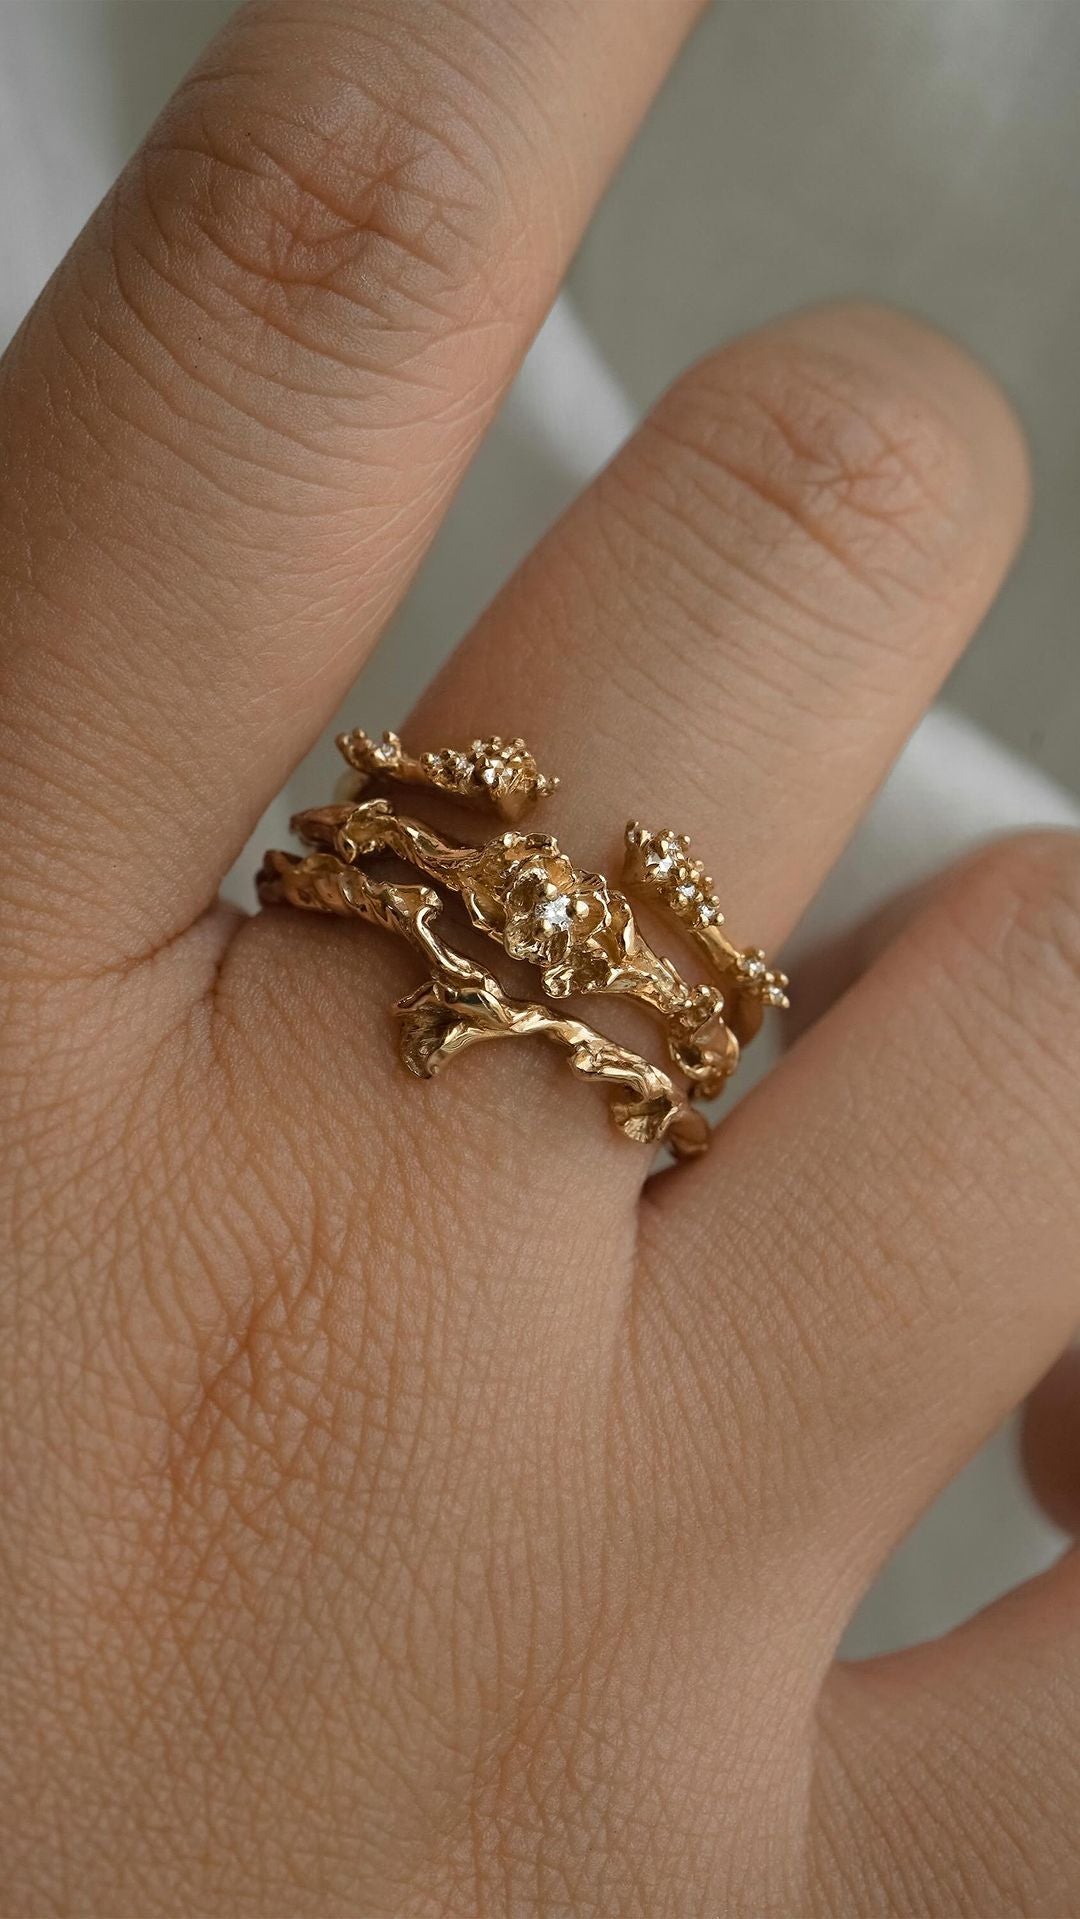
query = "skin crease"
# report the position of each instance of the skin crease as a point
(409, 1508)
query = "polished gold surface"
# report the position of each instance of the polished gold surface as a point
(526, 894)
(658, 867)
(493, 772)
(461, 1005)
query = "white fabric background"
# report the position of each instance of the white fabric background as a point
(918, 150)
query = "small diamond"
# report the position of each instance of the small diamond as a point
(554, 914)
(383, 754)
(707, 913)
(753, 967)
(688, 891)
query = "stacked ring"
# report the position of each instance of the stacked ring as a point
(524, 892)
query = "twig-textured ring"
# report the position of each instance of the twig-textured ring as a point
(525, 893)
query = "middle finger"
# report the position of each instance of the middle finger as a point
(736, 626)
(730, 633)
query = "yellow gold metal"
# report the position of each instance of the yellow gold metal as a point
(462, 1005)
(522, 891)
(658, 867)
(494, 772)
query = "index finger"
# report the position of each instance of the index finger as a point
(233, 421)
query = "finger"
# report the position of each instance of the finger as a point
(735, 627)
(1050, 1441)
(948, 1775)
(831, 968)
(880, 1263)
(952, 790)
(233, 421)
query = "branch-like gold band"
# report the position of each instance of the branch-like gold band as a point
(525, 893)
(498, 773)
(460, 1004)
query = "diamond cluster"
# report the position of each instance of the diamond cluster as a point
(502, 773)
(494, 768)
(768, 987)
(663, 863)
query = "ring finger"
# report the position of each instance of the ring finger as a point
(734, 628)
(231, 424)
(737, 625)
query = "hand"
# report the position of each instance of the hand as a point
(407, 1509)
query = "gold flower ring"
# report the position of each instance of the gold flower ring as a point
(525, 893)
(461, 1005)
(498, 773)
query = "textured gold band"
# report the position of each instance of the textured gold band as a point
(461, 1005)
(525, 893)
(498, 773)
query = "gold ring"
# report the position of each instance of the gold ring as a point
(498, 773)
(525, 893)
(461, 1005)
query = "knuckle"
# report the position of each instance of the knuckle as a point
(1005, 955)
(310, 195)
(1020, 907)
(837, 463)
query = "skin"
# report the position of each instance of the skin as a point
(409, 1508)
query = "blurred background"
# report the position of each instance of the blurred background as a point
(923, 152)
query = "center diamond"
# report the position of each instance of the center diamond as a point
(554, 913)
